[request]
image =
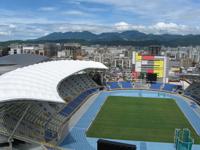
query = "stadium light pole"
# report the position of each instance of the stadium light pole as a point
(10, 139)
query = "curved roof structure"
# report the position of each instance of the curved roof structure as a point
(39, 81)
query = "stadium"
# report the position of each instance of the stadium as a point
(67, 105)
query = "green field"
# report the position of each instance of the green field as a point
(142, 119)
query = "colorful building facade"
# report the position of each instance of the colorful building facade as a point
(143, 64)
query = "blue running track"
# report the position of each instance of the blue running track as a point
(77, 140)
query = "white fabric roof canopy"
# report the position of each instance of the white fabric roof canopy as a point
(39, 81)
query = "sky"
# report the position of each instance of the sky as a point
(30, 19)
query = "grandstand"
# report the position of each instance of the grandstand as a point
(37, 101)
(193, 91)
(156, 86)
(153, 86)
(126, 84)
(113, 85)
(119, 85)
(169, 87)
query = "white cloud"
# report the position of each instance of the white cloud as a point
(75, 13)
(82, 27)
(173, 28)
(31, 31)
(3, 33)
(156, 10)
(13, 17)
(159, 28)
(168, 26)
(47, 8)
(12, 26)
(122, 26)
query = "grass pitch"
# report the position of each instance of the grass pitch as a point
(142, 119)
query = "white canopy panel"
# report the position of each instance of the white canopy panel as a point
(39, 81)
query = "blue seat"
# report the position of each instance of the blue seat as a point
(49, 135)
(195, 97)
(113, 85)
(156, 86)
(66, 111)
(126, 84)
(169, 87)
(73, 104)
(76, 102)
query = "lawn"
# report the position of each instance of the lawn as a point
(137, 118)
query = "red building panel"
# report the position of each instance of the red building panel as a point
(135, 75)
(147, 57)
(150, 71)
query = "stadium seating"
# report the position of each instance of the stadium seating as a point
(49, 134)
(74, 85)
(113, 85)
(44, 119)
(126, 84)
(76, 102)
(156, 86)
(166, 87)
(170, 87)
(178, 88)
(193, 91)
(30, 127)
(119, 85)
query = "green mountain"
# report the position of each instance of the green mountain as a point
(124, 38)
(134, 38)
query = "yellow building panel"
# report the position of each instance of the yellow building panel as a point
(159, 68)
(159, 63)
(159, 73)
(138, 57)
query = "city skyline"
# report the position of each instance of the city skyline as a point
(22, 19)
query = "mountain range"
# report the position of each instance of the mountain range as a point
(134, 38)
(124, 38)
